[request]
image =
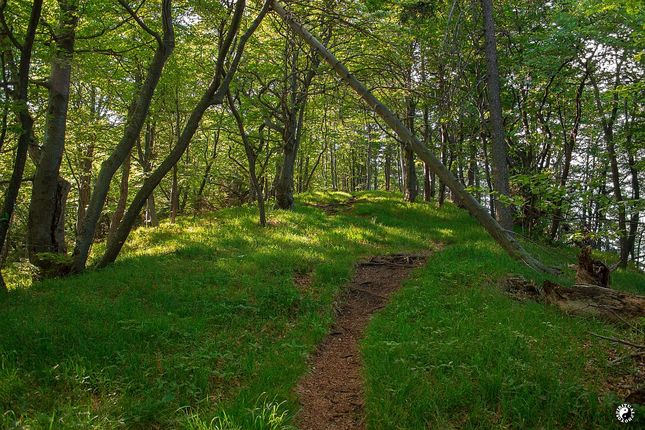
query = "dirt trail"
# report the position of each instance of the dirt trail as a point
(331, 395)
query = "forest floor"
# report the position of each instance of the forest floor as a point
(211, 323)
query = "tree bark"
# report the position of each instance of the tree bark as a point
(499, 152)
(123, 198)
(388, 169)
(498, 233)
(608, 122)
(587, 300)
(293, 111)
(146, 157)
(135, 121)
(85, 184)
(410, 185)
(45, 209)
(26, 124)
(636, 193)
(569, 146)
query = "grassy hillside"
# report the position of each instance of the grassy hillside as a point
(215, 317)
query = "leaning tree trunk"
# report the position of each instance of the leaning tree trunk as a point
(135, 121)
(26, 123)
(500, 163)
(214, 95)
(494, 229)
(45, 209)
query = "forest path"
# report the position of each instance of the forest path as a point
(331, 395)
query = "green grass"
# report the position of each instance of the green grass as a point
(200, 325)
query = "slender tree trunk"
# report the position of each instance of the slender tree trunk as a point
(428, 179)
(498, 233)
(26, 133)
(608, 122)
(174, 195)
(135, 121)
(445, 143)
(489, 178)
(251, 157)
(427, 183)
(410, 178)
(333, 167)
(147, 156)
(123, 198)
(569, 146)
(368, 161)
(500, 163)
(214, 95)
(85, 186)
(46, 210)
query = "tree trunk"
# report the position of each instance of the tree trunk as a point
(284, 186)
(85, 185)
(147, 156)
(445, 142)
(123, 198)
(26, 125)
(636, 193)
(427, 183)
(410, 178)
(368, 160)
(388, 169)
(199, 199)
(608, 134)
(569, 146)
(500, 163)
(214, 95)
(251, 157)
(480, 213)
(135, 121)
(174, 196)
(45, 206)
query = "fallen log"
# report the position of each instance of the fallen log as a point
(589, 300)
(596, 301)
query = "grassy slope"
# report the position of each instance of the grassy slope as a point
(206, 317)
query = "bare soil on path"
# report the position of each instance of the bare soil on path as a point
(331, 394)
